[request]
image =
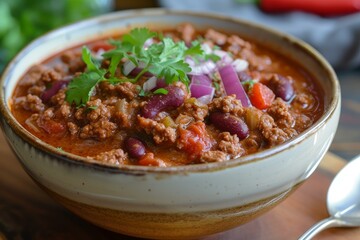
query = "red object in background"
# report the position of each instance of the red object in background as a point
(320, 7)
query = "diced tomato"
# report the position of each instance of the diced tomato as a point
(52, 127)
(149, 160)
(261, 96)
(195, 140)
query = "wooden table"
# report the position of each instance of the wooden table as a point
(28, 213)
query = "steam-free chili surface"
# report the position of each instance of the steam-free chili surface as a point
(176, 98)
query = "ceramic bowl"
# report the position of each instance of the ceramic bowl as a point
(174, 202)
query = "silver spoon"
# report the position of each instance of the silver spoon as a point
(343, 201)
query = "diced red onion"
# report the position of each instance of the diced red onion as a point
(232, 84)
(31, 124)
(201, 80)
(206, 48)
(99, 53)
(225, 58)
(150, 84)
(128, 67)
(54, 89)
(206, 99)
(190, 61)
(148, 42)
(240, 65)
(198, 90)
(206, 67)
(139, 68)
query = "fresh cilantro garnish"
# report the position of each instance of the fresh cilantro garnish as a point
(91, 108)
(161, 91)
(164, 59)
(198, 54)
(81, 87)
(216, 86)
(249, 83)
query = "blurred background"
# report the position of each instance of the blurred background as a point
(333, 29)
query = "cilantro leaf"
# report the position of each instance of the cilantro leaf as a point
(138, 36)
(91, 63)
(81, 88)
(161, 91)
(195, 49)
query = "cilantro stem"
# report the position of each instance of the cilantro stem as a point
(143, 71)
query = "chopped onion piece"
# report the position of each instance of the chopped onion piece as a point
(201, 80)
(206, 67)
(206, 48)
(240, 65)
(225, 57)
(206, 99)
(232, 84)
(128, 67)
(150, 84)
(198, 90)
(139, 68)
(148, 42)
(31, 124)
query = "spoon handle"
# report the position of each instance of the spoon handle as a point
(318, 227)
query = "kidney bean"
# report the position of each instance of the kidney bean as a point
(159, 102)
(135, 147)
(283, 88)
(54, 89)
(229, 123)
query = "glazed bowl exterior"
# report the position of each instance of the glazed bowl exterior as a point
(175, 202)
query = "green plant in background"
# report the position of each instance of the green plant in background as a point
(23, 20)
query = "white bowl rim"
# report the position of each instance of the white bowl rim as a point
(134, 169)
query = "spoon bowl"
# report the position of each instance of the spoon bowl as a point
(343, 201)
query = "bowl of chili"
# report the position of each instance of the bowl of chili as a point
(167, 124)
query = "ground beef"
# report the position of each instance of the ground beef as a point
(50, 75)
(214, 156)
(253, 142)
(74, 61)
(36, 90)
(34, 74)
(127, 89)
(237, 44)
(160, 133)
(125, 113)
(115, 156)
(187, 32)
(195, 109)
(100, 129)
(217, 37)
(96, 110)
(256, 62)
(58, 98)
(73, 128)
(227, 104)
(48, 114)
(230, 144)
(302, 122)
(280, 112)
(272, 133)
(30, 102)
(65, 110)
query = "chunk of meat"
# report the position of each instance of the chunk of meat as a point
(161, 133)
